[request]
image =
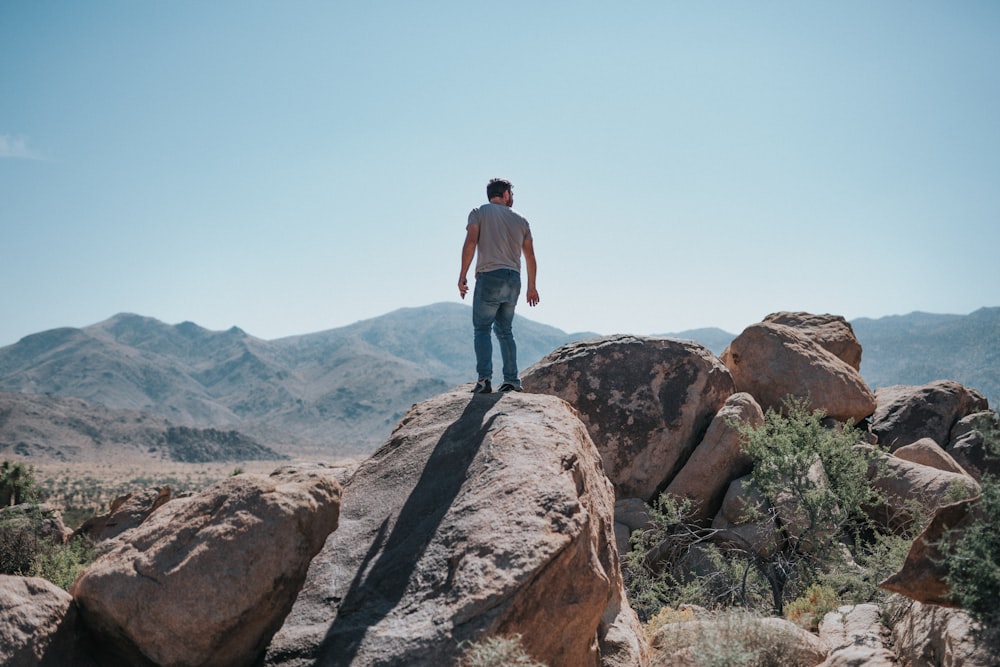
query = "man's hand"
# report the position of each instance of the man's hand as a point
(463, 286)
(533, 298)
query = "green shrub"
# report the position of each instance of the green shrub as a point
(497, 652)
(808, 610)
(25, 551)
(973, 565)
(732, 639)
(17, 484)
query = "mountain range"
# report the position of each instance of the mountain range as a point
(340, 392)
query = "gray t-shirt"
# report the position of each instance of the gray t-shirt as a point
(502, 232)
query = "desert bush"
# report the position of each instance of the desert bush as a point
(808, 610)
(26, 551)
(729, 639)
(497, 652)
(973, 564)
(835, 545)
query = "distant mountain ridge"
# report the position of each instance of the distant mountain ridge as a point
(341, 391)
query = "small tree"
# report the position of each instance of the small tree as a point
(17, 484)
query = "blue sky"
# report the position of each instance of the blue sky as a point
(290, 167)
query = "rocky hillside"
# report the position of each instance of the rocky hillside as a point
(342, 391)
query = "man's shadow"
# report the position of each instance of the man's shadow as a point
(375, 592)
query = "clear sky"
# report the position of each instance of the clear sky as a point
(290, 167)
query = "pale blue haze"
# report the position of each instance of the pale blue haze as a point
(289, 167)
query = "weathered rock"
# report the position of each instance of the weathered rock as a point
(712, 641)
(906, 413)
(747, 520)
(38, 625)
(904, 483)
(928, 453)
(126, 512)
(922, 576)
(967, 444)
(207, 579)
(856, 637)
(631, 514)
(772, 362)
(645, 401)
(926, 635)
(719, 458)
(481, 515)
(831, 332)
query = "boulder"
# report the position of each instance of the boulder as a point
(968, 447)
(719, 458)
(926, 635)
(927, 452)
(39, 625)
(207, 579)
(481, 515)
(856, 637)
(831, 332)
(645, 401)
(746, 520)
(905, 484)
(922, 576)
(772, 362)
(906, 413)
(631, 514)
(126, 512)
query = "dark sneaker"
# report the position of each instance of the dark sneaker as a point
(483, 387)
(507, 386)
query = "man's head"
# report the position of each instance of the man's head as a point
(500, 188)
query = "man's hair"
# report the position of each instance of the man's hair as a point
(497, 186)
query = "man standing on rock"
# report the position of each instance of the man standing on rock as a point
(497, 235)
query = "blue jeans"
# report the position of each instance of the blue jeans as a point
(493, 306)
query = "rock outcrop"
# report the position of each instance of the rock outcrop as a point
(831, 332)
(39, 625)
(922, 576)
(774, 361)
(126, 512)
(925, 634)
(927, 452)
(906, 413)
(967, 445)
(718, 458)
(482, 515)
(207, 579)
(856, 637)
(646, 402)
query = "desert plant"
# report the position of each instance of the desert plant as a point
(731, 639)
(973, 564)
(25, 550)
(17, 484)
(61, 563)
(497, 652)
(807, 611)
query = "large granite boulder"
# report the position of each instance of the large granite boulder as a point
(772, 362)
(906, 413)
(968, 446)
(923, 573)
(39, 625)
(208, 579)
(927, 452)
(646, 402)
(719, 458)
(831, 332)
(482, 515)
(856, 637)
(926, 635)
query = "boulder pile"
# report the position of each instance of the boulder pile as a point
(507, 515)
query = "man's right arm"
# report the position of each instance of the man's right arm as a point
(528, 248)
(468, 252)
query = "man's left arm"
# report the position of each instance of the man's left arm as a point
(528, 248)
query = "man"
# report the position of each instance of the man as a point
(497, 235)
